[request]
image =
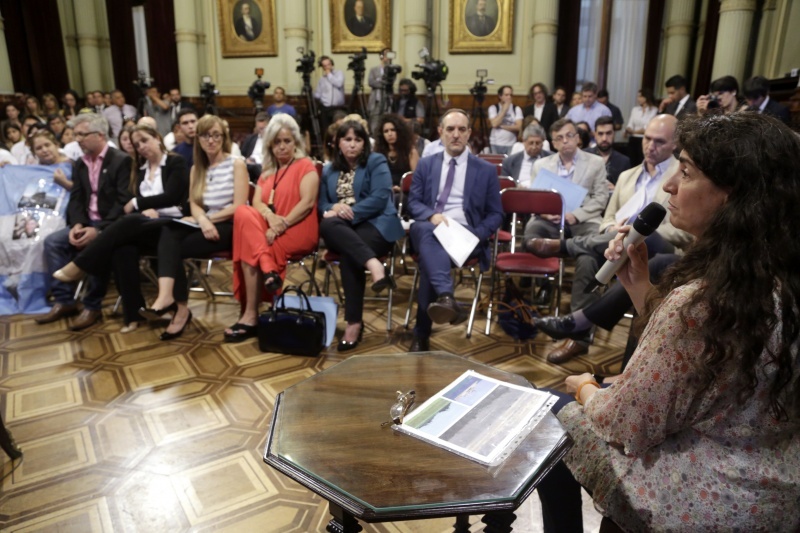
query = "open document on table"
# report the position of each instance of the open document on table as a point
(478, 417)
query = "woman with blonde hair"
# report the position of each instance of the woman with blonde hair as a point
(282, 222)
(218, 186)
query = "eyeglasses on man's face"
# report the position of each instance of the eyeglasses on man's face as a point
(565, 137)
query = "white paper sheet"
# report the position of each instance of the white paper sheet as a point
(458, 241)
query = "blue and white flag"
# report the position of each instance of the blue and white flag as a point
(32, 206)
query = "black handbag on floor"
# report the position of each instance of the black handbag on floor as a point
(290, 330)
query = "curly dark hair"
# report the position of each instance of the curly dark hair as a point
(749, 256)
(403, 144)
(338, 161)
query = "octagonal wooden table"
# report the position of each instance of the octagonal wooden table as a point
(326, 434)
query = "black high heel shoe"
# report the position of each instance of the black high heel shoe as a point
(273, 282)
(384, 282)
(169, 336)
(155, 314)
(345, 346)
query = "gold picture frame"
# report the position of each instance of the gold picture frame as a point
(240, 39)
(491, 33)
(372, 30)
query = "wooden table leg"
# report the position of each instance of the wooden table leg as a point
(462, 524)
(499, 521)
(342, 522)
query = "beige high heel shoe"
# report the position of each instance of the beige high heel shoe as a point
(69, 273)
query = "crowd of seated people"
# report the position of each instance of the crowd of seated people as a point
(191, 201)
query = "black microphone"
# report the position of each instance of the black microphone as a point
(644, 226)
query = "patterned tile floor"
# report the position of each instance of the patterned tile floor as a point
(128, 433)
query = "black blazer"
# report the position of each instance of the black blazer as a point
(777, 110)
(549, 115)
(617, 164)
(689, 109)
(249, 144)
(513, 163)
(175, 178)
(113, 190)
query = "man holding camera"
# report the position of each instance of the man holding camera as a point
(158, 109)
(329, 91)
(375, 82)
(506, 121)
(407, 105)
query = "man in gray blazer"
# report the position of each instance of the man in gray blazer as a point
(519, 166)
(375, 82)
(581, 168)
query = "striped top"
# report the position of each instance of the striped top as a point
(219, 187)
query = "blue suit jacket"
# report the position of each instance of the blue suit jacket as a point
(372, 187)
(481, 198)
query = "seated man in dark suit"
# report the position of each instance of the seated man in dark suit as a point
(100, 190)
(519, 166)
(616, 163)
(756, 92)
(453, 185)
(252, 150)
(678, 101)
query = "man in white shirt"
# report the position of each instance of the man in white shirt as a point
(21, 151)
(506, 121)
(329, 91)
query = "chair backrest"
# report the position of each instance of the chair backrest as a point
(493, 158)
(532, 202)
(499, 169)
(506, 182)
(405, 182)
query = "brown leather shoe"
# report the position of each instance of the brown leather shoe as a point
(445, 310)
(85, 319)
(544, 247)
(57, 312)
(566, 351)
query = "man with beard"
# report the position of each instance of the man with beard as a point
(616, 163)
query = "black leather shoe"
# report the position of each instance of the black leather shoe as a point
(445, 310)
(165, 336)
(544, 295)
(563, 327)
(156, 314)
(346, 346)
(383, 283)
(420, 344)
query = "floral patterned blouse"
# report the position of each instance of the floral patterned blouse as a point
(659, 454)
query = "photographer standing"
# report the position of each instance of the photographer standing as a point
(375, 82)
(506, 121)
(407, 105)
(158, 109)
(330, 91)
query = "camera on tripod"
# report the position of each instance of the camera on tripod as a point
(390, 72)
(432, 71)
(257, 89)
(356, 63)
(478, 91)
(143, 82)
(306, 61)
(207, 89)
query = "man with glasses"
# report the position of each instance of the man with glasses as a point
(635, 189)
(100, 190)
(187, 120)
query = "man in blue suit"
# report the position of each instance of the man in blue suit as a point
(452, 185)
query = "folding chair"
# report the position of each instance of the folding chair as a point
(515, 202)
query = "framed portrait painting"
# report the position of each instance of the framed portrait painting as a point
(247, 28)
(360, 23)
(481, 26)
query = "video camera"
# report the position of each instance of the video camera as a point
(257, 89)
(478, 91)
(356, 63)
(433, 71)
(390, 72)
(143, 82)
(306, 62)
(207, 89)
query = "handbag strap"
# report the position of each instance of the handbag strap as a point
(281, 304)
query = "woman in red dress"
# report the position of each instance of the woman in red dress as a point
(282, 222)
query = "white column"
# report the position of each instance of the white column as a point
(186, 38)
(416, 35)
(765, 40)
(544, 34)
(733, 38)
(678, 37)
(295, 32)
(6, 82)
(89, 49)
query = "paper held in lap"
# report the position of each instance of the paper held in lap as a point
(457, 241)
(478, 417)
(572, 194)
